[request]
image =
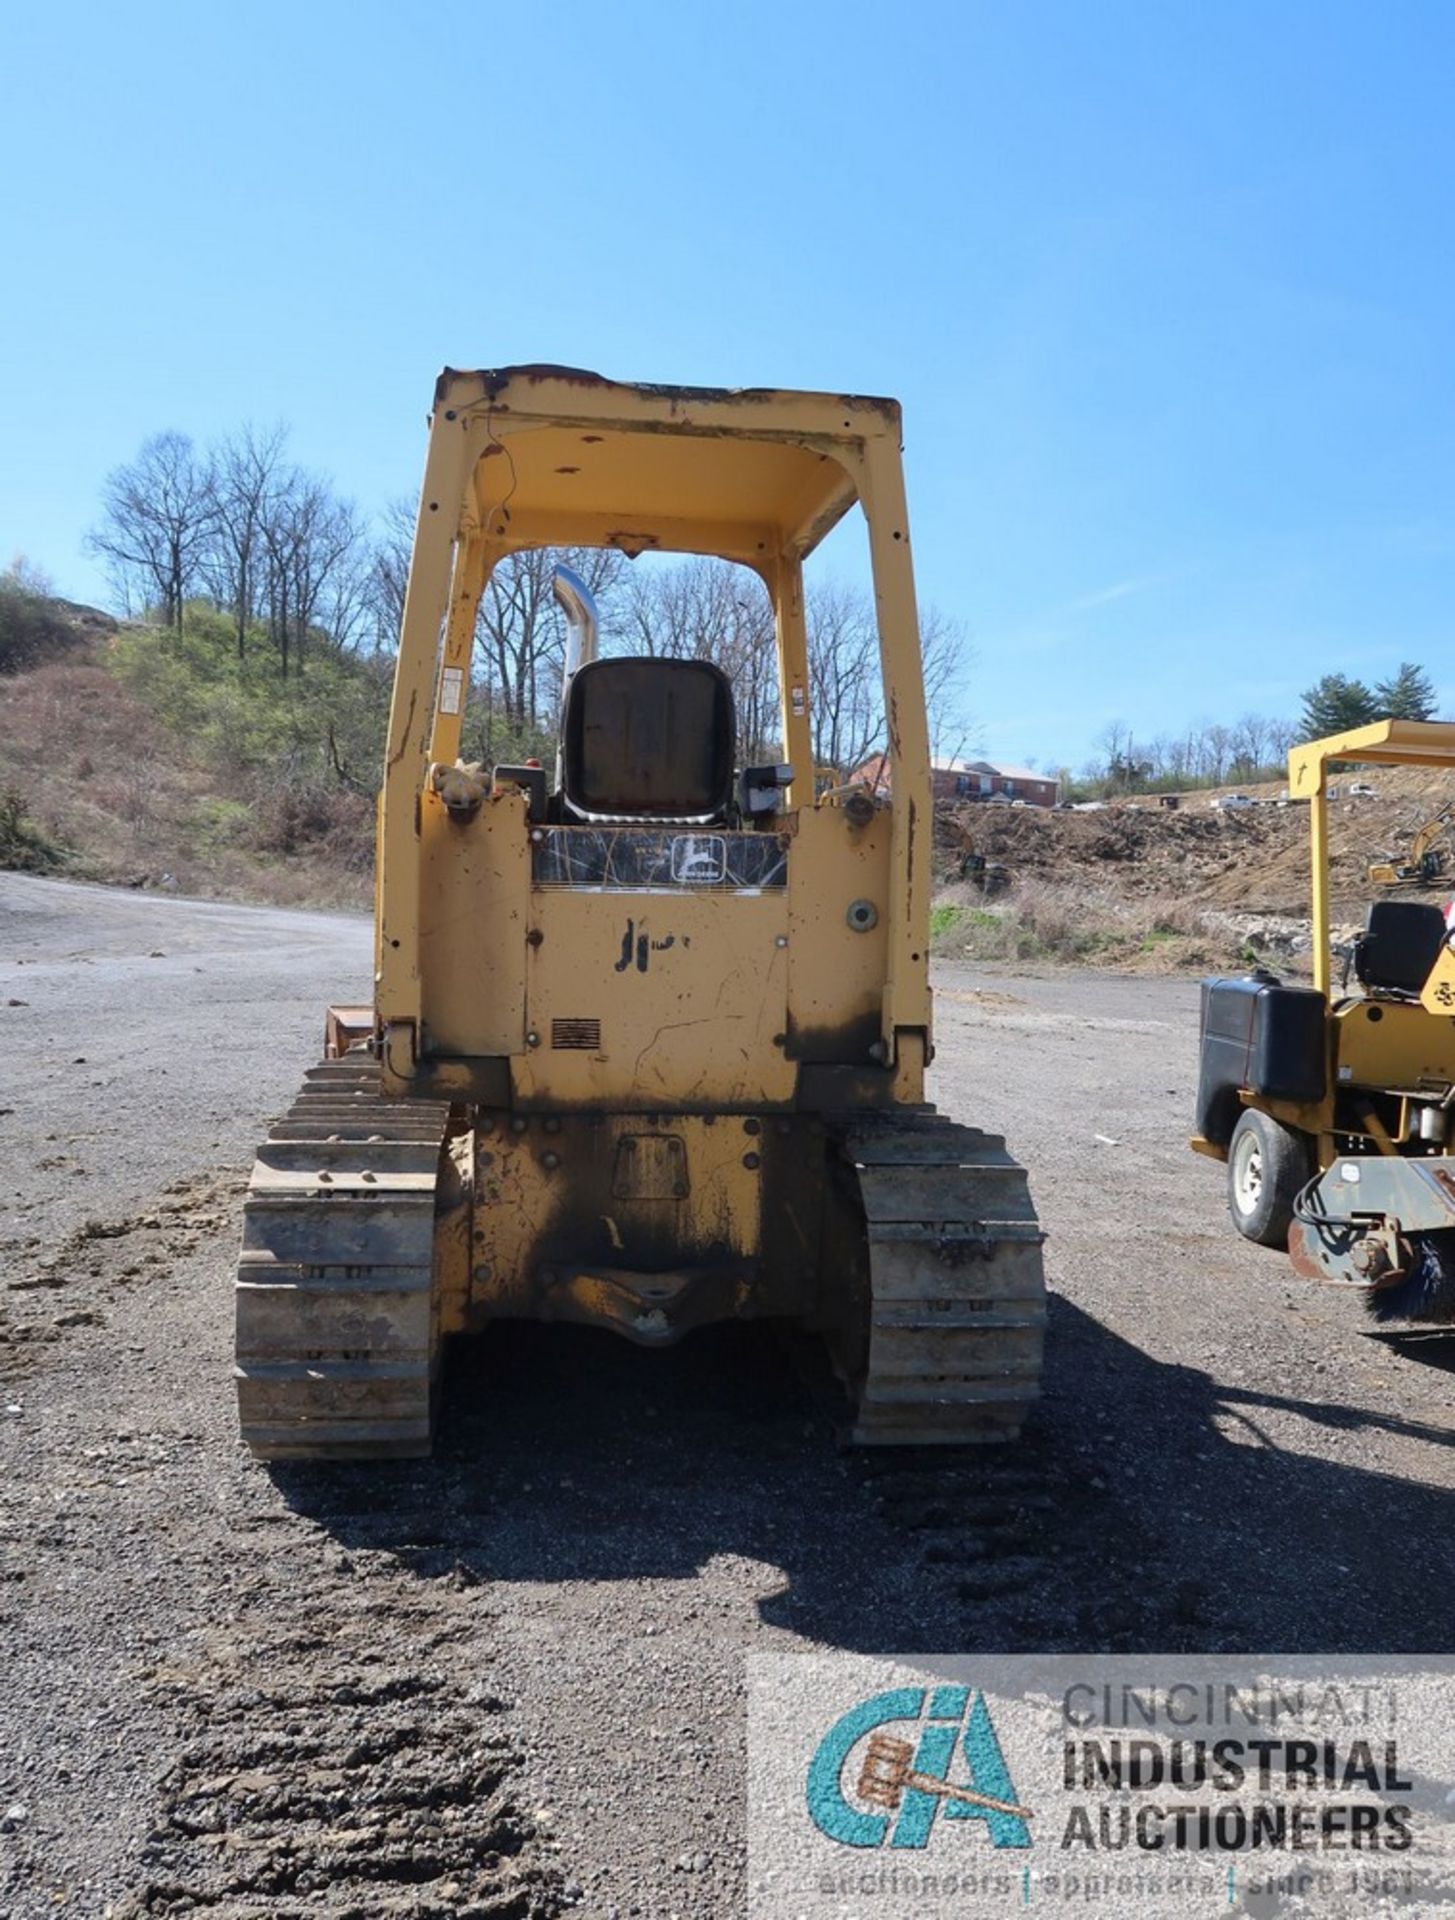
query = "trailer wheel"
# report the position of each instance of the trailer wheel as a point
(1267, 1164)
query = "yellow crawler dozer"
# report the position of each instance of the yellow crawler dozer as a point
(649, 1037)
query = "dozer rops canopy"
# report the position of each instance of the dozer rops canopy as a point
(567, 457)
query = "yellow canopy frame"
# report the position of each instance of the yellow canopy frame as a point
(1387, 743)
(532, 456)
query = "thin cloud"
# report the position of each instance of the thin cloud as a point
(1121, 590)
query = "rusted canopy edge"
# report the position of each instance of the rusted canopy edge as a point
(496, 379)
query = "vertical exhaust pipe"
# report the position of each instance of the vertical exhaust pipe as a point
(583, 628)
(583, 623)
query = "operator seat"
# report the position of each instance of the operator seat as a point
(647, 740)
(1399, 945)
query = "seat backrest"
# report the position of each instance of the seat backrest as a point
(1398, 947)
(646, 739)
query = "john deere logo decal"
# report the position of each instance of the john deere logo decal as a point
(699, 859)
(888, 1768)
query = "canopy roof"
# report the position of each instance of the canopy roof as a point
(568, 458)
(1387, 743)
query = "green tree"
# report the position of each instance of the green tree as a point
(1336, 704)
(1406, 695)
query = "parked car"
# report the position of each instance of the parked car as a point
(1363, 789)
(1227, 802)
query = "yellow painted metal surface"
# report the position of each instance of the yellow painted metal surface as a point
(657, 1054)
(698, 999)
(1438, 996)
(411, 714)
(1387, 743)
(1393, 1045)
(534, 456)
(452, 1237)
(836, 974)
(785, 587)
(473, 922)
(690, 992)
(1323, 959)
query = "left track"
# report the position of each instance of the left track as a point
(337, 1310)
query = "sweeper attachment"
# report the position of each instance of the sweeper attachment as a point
(1334, 1106)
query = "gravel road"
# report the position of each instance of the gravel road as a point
(509, 1681)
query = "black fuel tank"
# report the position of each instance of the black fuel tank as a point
(1259, 1035)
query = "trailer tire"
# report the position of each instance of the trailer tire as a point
(1267, 1164)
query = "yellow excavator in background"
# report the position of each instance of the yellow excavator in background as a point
(649, 1034)
(1427, 858)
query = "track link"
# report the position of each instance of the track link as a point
(337, 1317)
(956, 1294)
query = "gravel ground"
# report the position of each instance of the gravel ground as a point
(509, 1681)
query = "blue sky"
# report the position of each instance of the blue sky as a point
(1167, 290)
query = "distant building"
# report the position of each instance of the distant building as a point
(973, 780)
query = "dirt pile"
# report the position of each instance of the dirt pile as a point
(1253, 859)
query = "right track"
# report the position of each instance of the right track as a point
(956, 1302)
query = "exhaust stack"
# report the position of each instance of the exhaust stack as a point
(583, 624)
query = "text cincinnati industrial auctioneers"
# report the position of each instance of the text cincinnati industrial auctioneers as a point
(1313, 1768)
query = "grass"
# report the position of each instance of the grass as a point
(141, 764)
(25, 847)
(1046, 924)
(952, 923)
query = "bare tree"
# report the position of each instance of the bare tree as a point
(245, 466)
(1115, 743)
(948, 662)
(310, 538)
(704, 609)
(845, 692)
(388, 572)
(159, 516)
(323, 563)
(346, 610)
(519, 632)
(1219, 749)
(713, 610)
